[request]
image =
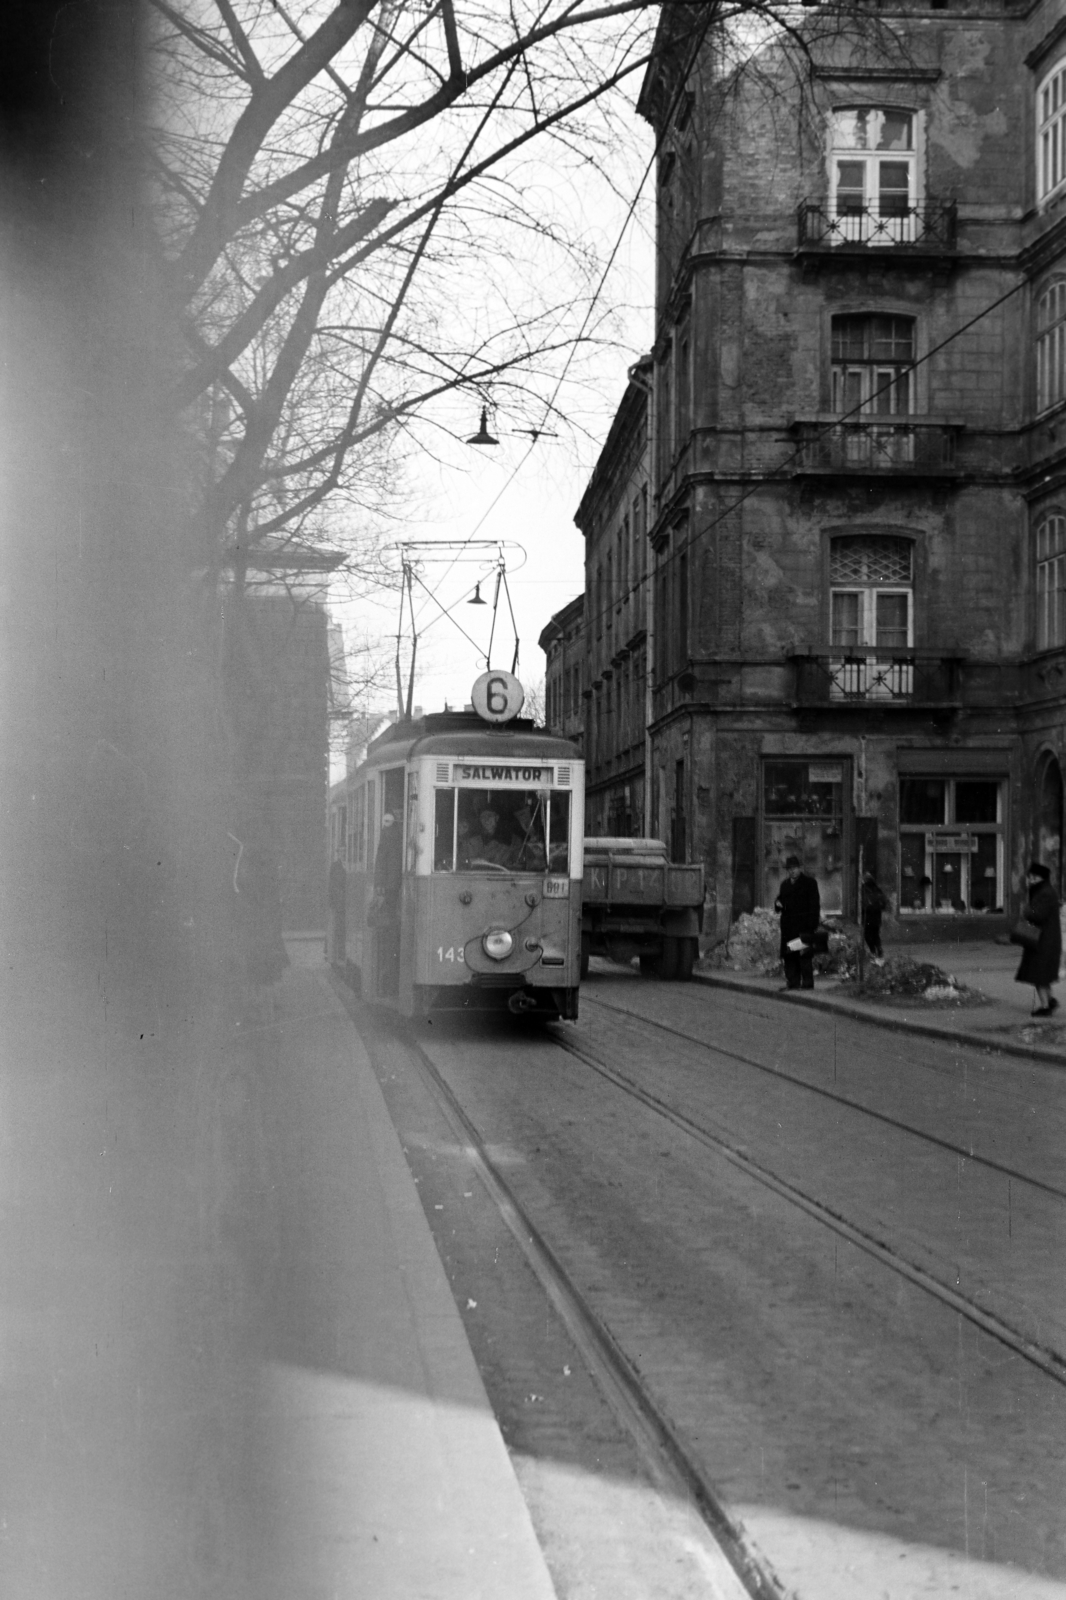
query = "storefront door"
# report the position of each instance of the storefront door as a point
(806, 813)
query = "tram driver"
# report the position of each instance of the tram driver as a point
(486, 845)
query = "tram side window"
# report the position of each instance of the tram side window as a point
(444, 831)
(559, 834)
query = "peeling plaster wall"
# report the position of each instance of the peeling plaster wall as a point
(757, 531)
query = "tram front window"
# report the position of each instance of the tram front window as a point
(501, 830)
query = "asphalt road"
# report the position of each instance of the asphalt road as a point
(794, 1237)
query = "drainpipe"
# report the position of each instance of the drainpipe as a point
(648, 385)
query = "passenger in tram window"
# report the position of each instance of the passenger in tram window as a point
(486, 845)
(388, 867)
(527, 839)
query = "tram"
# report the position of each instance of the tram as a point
(462, 838)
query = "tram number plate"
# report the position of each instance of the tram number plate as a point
(557, 888)
(453, 953)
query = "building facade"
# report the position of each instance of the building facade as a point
(613, 517)
(857, 440)
(563, 643)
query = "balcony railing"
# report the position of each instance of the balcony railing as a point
(885, 445)
(929, 227)
(875, 675)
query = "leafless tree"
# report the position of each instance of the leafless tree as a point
(329, 178)
(361, 209)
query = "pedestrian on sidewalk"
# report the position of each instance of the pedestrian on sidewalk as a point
(874, 903)
(338, 899)
(1040, 963)
(800, 906)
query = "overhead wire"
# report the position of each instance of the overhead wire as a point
(696, 44)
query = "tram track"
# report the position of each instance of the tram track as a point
(1040, 1356)
(739, 1572)
(698, 1429)
(948, 1146)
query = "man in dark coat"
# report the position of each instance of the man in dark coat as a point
(800, 906)
(1040, 964)
(388, 883)
(874, 902)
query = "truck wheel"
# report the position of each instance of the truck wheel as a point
(670, 959)
(686, 958)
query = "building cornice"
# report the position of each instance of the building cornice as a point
(1054, 36)
(913, 74)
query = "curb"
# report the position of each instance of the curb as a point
(1052, 1058)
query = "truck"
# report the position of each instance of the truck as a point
(635, 902)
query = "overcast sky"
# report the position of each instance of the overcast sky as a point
(451, 488)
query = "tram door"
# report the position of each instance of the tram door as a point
(388, 887)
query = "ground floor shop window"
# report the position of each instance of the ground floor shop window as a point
(951, 844)
(803, 814)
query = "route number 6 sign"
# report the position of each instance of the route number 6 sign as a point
(497, 696)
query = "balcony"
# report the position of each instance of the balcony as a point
(874, 676)
(908, 445)
(926, 230)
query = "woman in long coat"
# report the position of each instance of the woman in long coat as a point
(1040, 965)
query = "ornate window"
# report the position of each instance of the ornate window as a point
(873, 378)
(1051, 581)
(1051, 132)
(871, 591)
(873, 358)
(873, 174)
(1051, 345)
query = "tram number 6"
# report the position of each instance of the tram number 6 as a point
(496, 696)
(453, 953)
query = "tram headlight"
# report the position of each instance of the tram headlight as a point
(497, 944)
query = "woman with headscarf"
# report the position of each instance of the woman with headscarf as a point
(1040, 962)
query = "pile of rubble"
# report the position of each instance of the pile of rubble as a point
(754, 945)
(902, 975)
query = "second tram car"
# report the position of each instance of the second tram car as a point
(463, 848)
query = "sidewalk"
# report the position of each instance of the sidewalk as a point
(384, 1471)
(1002, 1022)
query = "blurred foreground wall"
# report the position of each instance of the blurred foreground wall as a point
(124, 1309)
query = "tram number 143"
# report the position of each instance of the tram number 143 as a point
(453, 953)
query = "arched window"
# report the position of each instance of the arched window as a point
(1051, 345)
(871, 581)
(873, 174)
(1051, 581)
(1051, 132)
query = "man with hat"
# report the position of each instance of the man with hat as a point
(800, 906)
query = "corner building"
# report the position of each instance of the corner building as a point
(857, 515)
